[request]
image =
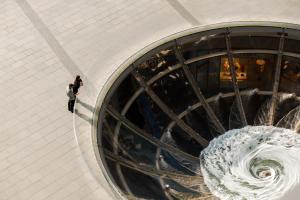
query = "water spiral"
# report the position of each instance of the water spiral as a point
(254, 162)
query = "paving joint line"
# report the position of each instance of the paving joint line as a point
(183, 12)
(53, 43)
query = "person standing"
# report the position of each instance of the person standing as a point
(72, 97)
(77, 83)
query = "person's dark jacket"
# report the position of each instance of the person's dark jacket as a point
(77, 84)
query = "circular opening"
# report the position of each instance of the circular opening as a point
(164, 110)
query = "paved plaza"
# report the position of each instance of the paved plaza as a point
(46, 153)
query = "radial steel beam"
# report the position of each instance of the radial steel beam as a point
(274, 100)
(211, 114)
(147, 136)
(191, 132)
(145, 168)
(234, 79)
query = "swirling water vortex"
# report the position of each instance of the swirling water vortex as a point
(254, 162)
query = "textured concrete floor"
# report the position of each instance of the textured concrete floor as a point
(45, 43)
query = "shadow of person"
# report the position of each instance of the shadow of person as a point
(85, 105)
(88, 107)
(84, 117)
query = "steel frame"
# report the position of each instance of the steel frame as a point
(176, 119)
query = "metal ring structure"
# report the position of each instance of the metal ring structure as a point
(225, 33)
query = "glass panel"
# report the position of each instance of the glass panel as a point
(175, 91)
(252, 71)
(291, 45)
(206, 73)
(157, 63)
(256, 30)
(131, 145)
(254, 42)
(113, 171)
(204, 45)
(143, 186)
(123, 93)
(290, 78)
(145, 114)
(200, 71)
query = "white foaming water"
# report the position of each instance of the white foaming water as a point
(255, 162)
